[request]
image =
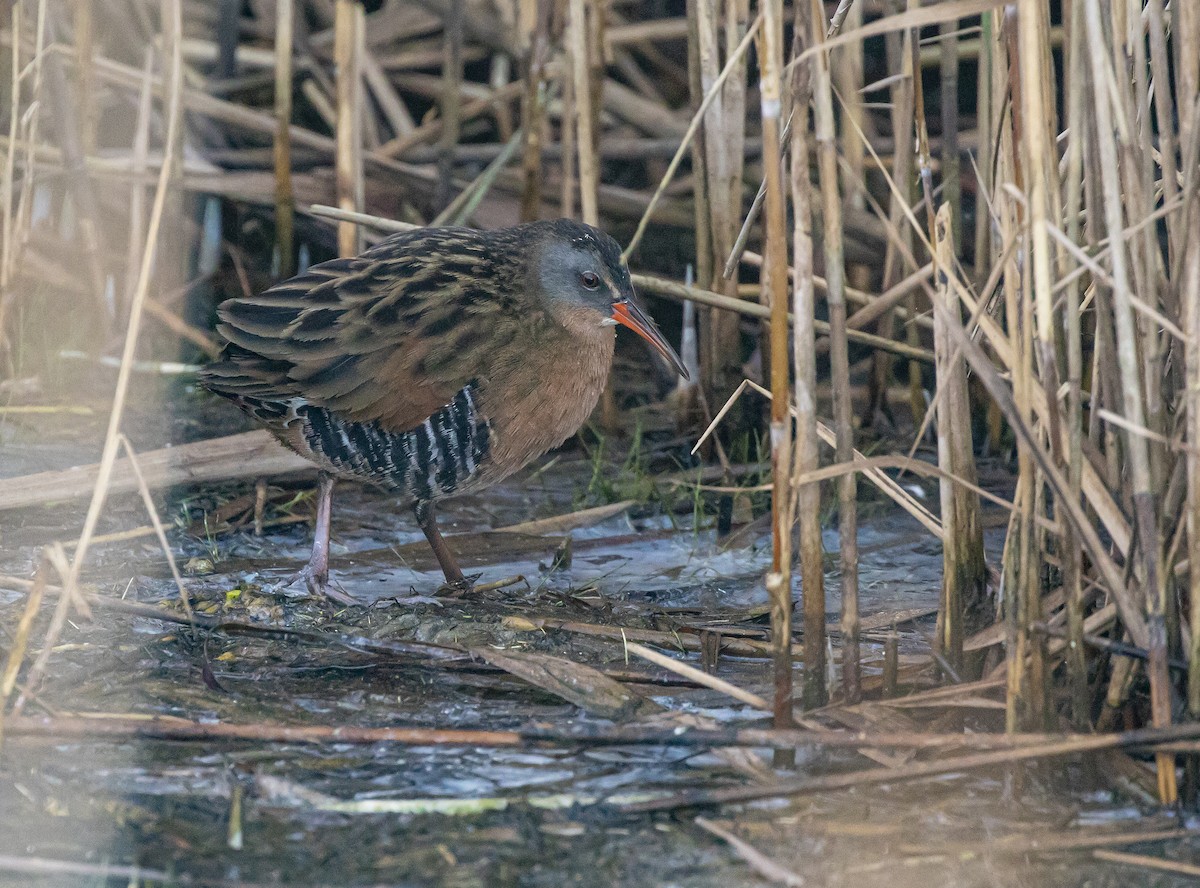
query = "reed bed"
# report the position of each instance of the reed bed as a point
(986, 216)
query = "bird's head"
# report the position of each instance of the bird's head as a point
(582, 280)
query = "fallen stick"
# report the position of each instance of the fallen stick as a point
(1001, 747)
(251, 454)
(1148, 862)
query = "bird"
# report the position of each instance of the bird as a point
(438, 362)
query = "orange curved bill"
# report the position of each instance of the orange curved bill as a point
(627, 314)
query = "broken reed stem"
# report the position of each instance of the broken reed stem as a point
(20, 638)
(698, 676)
(285, 198)
(761, 863)
(774, 281)
(152, 512)
(348, 40)
(825, 136)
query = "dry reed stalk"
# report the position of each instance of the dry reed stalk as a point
(567, 136)
(394, 110)
(774, 295)
(20, 637)
(835, 269)
(848, 82)
(7, 226)
(533, 26)
(1076, 99)
(985, 127)
(1187, 72)
(12, 227)
(1025, 693)
(1098, 496)
(1039, 165)
(451, 99)
(585, 138)
(348, 46)
(761, 863)
(459, 210)
(1136, 448)
(1002, 747)
(84, 39)
(31, 120)
(869, 467)
(699, 676)
(964, 571)
(723, 141)
(173, 18)
(806, 501)
(1187, 60)
(138, 167)
(900, 64)
(285, 198)
(156, 523)
(951, 181)
(848, 72)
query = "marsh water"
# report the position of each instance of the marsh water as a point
(238, 812)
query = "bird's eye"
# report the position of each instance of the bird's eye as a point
(590, 279)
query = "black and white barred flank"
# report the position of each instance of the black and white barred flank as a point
(433, 460)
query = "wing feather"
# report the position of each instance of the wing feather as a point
(370, 338)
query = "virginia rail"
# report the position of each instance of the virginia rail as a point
(439, 361)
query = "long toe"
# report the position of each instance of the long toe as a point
(309, 583)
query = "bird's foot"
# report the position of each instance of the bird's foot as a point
(314, 583)
(458, 588)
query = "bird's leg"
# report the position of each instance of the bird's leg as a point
(315, 574)
(428, 521)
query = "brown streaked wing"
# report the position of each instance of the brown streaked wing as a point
(373, 338)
